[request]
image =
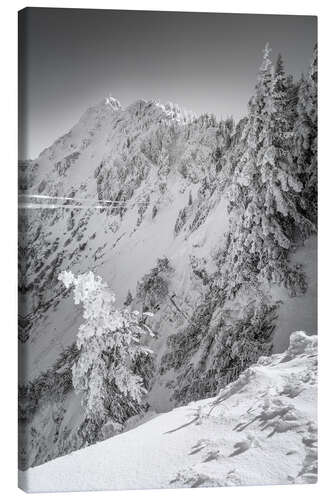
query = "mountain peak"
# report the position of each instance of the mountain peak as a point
(112, 102)
(168, 110)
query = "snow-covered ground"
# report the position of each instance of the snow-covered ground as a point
(298, 312)
(260, 429)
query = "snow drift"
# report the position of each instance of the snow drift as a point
(260, 429)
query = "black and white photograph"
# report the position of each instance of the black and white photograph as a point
(167, 249)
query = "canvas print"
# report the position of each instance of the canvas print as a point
(167, 249)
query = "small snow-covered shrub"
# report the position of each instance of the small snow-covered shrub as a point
(154, 286)
(129, 299)
(181, 220)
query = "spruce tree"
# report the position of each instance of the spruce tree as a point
(305, 138)
(265, 194)
(129, 299)
(280, 186)
(245, 253)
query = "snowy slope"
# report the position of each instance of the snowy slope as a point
(298, 312)
(260, 429)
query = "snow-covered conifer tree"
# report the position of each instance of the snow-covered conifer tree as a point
(109, 343)
(265, 194)
(281, 186)
(305, 138)
(245, 252)
(129, 299)
(163, 162)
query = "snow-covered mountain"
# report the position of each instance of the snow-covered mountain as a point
(208, 225)
(154, 166)
(260, 429)
(151, 163)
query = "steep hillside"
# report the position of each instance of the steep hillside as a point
(154, 167)
(260, 429)
(147, 162)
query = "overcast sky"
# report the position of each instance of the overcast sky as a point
(203, 62)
